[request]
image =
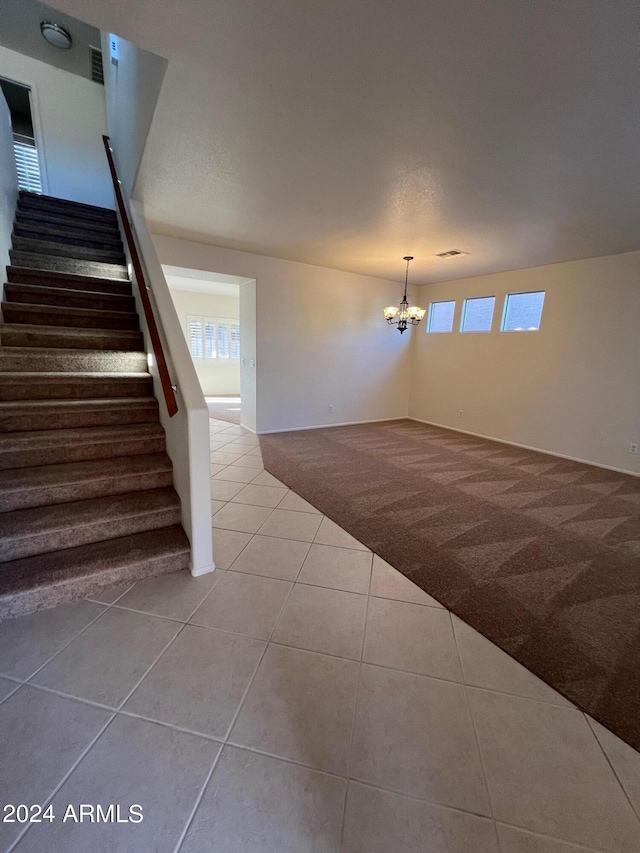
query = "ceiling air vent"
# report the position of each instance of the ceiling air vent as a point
(452, 253)
(97, 74)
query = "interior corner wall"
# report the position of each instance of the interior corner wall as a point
(8, 182)
(132, 89)
(217, 377)
(571, 388)
(321, 339)
(69, 118)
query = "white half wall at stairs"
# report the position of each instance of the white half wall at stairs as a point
(187, 432)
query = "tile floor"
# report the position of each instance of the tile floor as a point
(303, 697)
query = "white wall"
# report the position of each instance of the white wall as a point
(132, 88)
(572, 388)
(321, 339)
(8, 184)
(248, 354)
(220, 376)
(69, 118)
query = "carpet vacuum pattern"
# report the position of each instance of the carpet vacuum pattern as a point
(539, 554)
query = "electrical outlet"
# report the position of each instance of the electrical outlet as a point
(633, 447)
(330, 410)
(460, 413)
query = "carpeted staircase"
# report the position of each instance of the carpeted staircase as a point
(86, 494)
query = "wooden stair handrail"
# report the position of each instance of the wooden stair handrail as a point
(163, 371)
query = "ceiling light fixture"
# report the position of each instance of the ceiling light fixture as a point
(405, 315)
(56, 35)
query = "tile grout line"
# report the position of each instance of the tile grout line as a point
(610, 763)
(475, 730)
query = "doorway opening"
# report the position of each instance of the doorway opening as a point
(217, 316)
(18, 98)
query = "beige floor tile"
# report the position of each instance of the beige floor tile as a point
(272, 558)
(382, 822)
(134, 761)
(300, 706)
(624, 760)
(255, 452)
(248, 461)
(227, 544)
(296, 503)
(323, 620)
(216, 506)
(546, 772)
(286, 524)
(258, 804)
(485, 665)
(29, 641)
(340, 568)
(411, 637)
(240, 517)
(514, 840)
(109, 596)
(264, 478)
(215, 468)
(214, 446)
(244, 604)
(260, 496)
(247, 440)
(175, 596)
(199, 681)
(235, 474)
(414, 735)
(224, 490)
(330, 534)
(41, 737)
(387, 582)
(105, 662)
(219, 457)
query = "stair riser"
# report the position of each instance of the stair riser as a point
(60, 208)
(36, 295)
(14, 312)
(29, 458)
(68, 265)
(99, 488)
(23, 598)
(107, 240)
(33, 543)
(72, 419)
(60, 337)
(43, 278)
(36, 218)
(75, 362)
(74, 389)
(62, 250)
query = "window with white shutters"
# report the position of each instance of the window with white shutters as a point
(213, 339)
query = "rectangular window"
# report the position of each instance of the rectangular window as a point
(522, 312)
(477, 314)
(441, 317)
(211, 339)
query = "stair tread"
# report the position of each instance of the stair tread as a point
(24, 523)
(46, 579)
(68, 473)
(67, 250)
(41, 197)
(72, 330)
(79, 312)
(63, 292)
(76, 436)
(39, 261)
(53, 275)
(69, 375)
(97, 403)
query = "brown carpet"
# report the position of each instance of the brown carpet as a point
(539, 554)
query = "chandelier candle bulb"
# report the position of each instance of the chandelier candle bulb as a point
(405, 315)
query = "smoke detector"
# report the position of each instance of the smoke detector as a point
(56, 35)
(451, 253)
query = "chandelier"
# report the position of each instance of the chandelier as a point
(405, 315)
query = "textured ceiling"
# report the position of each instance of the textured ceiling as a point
(348, 134)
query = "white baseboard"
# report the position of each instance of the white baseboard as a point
(203, 570)
(248, 429)
(326, 426)
(526, 447)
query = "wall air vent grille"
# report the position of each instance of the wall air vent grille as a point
(452, 253)
(97, 74)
